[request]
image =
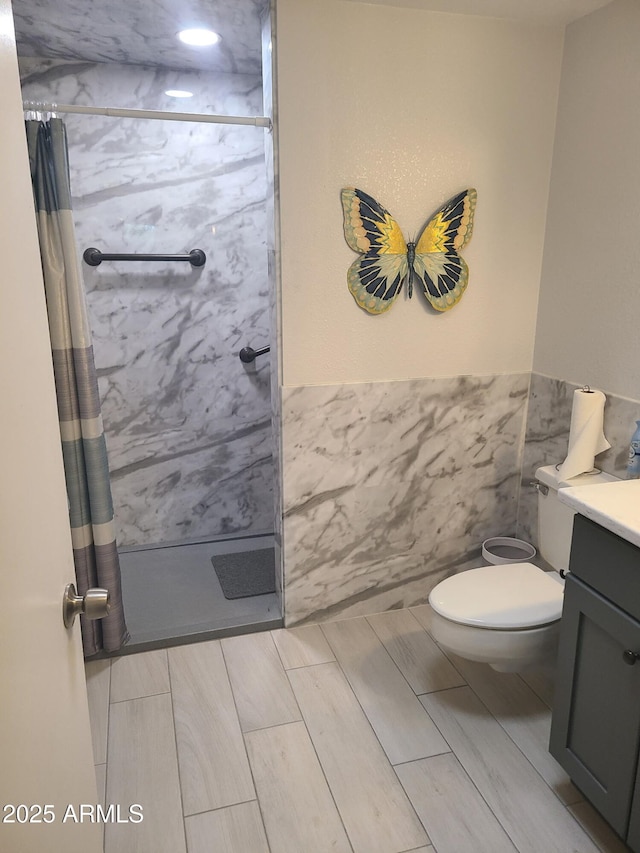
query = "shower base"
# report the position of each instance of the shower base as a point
(172, 595)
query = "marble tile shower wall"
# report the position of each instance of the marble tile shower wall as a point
(390, 486)
(268, 37)
(188, 426)
(547, 439)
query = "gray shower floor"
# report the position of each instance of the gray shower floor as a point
(172, 595)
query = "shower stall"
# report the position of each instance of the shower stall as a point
(188, 424)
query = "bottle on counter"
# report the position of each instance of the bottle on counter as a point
(633, 465)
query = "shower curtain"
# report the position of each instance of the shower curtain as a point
(83, 444)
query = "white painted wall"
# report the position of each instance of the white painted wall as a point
(590, 292)
(45, 740)
(411, 106)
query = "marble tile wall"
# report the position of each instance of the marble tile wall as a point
(273, 253)
(390, 486)
(188, 425)
(547, 439)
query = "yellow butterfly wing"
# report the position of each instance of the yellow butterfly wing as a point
(442, 272)
(376, 278)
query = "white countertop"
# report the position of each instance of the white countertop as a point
(615, 506)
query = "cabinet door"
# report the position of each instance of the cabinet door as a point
(633, 834)
(596, 716)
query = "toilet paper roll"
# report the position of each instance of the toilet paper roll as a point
(586, 436)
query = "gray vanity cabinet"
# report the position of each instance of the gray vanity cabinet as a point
(595, 731)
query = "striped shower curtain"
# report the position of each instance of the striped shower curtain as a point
(83, 443)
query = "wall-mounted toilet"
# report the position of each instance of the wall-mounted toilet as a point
(509, 615)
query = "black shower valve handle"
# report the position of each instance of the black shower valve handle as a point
(249, 355)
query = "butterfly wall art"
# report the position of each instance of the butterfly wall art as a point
(387, 262)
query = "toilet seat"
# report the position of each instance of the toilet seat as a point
(510, 596)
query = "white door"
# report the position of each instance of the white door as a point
(45, 741)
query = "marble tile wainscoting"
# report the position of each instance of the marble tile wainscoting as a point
(390, 486)
(188, 425)
(547, 439)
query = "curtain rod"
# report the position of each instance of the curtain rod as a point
(257, 121)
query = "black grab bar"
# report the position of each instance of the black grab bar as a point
(248, 354)
(94, 257)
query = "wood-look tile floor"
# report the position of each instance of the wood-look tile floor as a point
(354, 735)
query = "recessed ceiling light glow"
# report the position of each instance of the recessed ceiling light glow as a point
(179, 93)
(199, 38)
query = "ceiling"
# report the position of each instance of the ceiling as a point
(144, 32)
(555, 12)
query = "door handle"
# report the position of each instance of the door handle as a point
(94, 604)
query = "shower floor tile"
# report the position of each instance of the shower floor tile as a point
(172, 595)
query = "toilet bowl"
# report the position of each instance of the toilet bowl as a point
(509, 615)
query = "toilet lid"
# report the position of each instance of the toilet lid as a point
(513, 595)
